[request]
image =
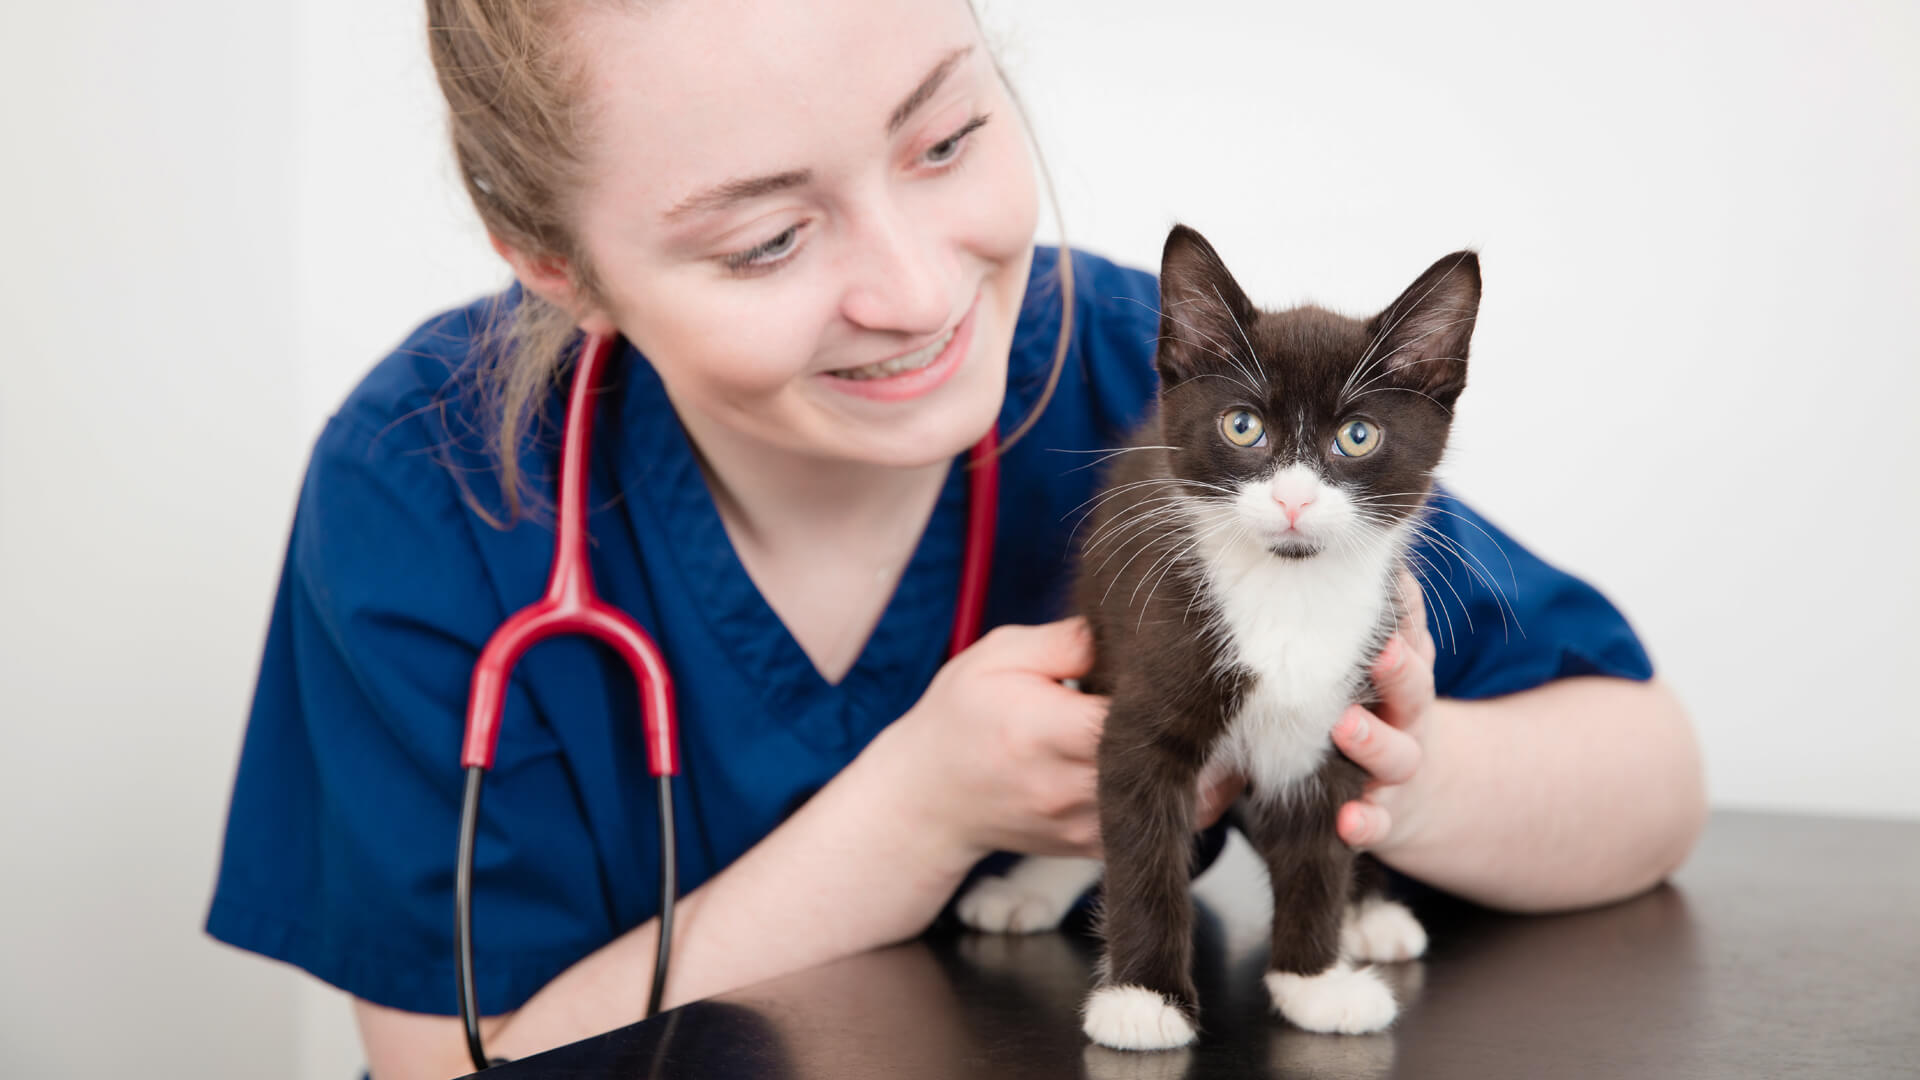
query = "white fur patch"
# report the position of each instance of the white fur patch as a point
(1033, 896)
(1301, 626)
(1135, 1018)
(1382, 931)
(1339, 1000)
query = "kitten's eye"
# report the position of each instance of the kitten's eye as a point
(1242, 428)
(1357, 439)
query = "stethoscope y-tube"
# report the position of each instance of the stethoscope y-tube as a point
(570, 606)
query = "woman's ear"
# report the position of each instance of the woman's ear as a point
(548, 279)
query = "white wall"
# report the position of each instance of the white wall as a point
(147, 465)
(1692, 376)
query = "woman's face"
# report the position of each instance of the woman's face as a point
(816, 219)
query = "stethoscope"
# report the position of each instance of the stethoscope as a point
(571, 606)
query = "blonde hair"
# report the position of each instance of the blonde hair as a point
(517, 122)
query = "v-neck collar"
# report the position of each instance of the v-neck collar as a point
(659, 476)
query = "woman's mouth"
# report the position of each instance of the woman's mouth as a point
(899, 365)
(912, 374)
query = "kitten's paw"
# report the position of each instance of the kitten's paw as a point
(998, 906)
(1135, 1018)
(1382, 931)
(1340, 999)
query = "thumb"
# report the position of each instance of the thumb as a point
(1057, 650)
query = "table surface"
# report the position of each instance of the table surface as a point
(1787, 946)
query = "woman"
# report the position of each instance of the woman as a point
(813, 225)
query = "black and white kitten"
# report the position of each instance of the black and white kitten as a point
(1239, 573)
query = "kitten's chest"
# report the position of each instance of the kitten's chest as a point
(1303, 634)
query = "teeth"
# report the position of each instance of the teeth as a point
(899, 365)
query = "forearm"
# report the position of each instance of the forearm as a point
(1575, 793)
(838, 877)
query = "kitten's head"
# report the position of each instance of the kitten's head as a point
(1303, 431)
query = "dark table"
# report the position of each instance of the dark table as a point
(1787, 946)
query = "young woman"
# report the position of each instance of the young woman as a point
(813, 227)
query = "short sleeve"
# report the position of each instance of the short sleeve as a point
(342, 832)
(1503, 619)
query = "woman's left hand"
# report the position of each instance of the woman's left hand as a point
(1388, 741)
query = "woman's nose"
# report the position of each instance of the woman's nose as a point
(901, 279)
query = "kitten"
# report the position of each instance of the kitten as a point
(1239, 575)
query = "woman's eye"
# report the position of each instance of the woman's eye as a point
(948, 149)
(763, 256)
(1357, 438)
(1242, 428)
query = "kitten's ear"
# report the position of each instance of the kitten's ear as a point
(1203, 313)
(1421, 340)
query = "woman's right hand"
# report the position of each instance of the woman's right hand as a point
(999, 756)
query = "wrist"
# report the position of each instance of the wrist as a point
(905, 809)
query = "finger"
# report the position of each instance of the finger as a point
(1057, 650)
(1363, 825)
(1413, 602)
(1077, 834)
(1413, 617)
(1078, 722)
(1388, 754)
(1404, 676)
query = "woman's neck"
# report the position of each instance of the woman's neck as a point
(768, 494)
(824, 541)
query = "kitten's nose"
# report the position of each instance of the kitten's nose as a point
(1294, 492)
(1293, 510)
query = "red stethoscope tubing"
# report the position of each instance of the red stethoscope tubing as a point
(571, 606)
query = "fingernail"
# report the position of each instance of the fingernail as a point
(1357, 726)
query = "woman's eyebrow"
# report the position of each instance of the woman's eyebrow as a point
(927, 88)
(721, 196)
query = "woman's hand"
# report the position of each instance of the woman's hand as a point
(997, 753)
(1000, 756)
(1388, 742)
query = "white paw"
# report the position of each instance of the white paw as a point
(998, 906)
(1135, 1018)
(1382, 931)
(1340, 999)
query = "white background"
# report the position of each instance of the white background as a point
(1694, 376)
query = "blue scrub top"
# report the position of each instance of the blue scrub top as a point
(340, 840)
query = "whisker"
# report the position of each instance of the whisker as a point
(1425, 583)
(1218, 349)
(1497, 546)
(1100, 497)
(1122, 572)
(1252, 353)
(1107, 455)
(1171, 561)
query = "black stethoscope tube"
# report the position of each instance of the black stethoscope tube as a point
(463, 910)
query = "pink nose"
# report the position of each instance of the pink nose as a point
(1294, 508)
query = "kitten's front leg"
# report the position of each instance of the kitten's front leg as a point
(1033, 896)
(1145, 999)
(1312, 874)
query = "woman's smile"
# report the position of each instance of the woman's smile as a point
(910, 374)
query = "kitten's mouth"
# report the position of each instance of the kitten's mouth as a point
(1289, 546)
